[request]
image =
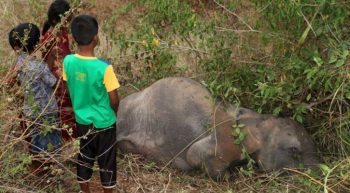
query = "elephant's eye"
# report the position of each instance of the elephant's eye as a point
(295, 152)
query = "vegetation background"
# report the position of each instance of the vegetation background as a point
(284, 57)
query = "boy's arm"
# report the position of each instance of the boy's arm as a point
(112, 84)
(64, 79)
(114, 100)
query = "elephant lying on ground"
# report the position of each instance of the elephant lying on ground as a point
(176, 120)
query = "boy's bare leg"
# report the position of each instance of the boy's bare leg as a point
(85, 187)
(108, 190)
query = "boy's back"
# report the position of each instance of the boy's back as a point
(37, 82)
(89, 81)
(93, 89)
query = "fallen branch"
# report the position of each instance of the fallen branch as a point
(311, 178)
(234, 14)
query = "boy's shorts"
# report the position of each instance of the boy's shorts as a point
(100, 145)
(45, 142)
(50, 142)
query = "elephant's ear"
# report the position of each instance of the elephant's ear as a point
(251, 122)
(253, 140)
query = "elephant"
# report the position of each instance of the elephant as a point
(177, 121)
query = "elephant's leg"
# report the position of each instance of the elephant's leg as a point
(204, 154)
(215, 152)
(182, 164)
(127, 146)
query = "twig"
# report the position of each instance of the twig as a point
(166, 45)
(167, 185)
(328, 173)
(134, 87)
(222, 29)
(233, 13)
(311, 178)
(335, 94)
(189, 144)
(192, 47)
(308, 23)
(309, 106)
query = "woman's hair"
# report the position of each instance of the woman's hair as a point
(56, 11)
(46, 27)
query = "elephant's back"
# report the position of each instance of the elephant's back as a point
(184, 95)
(166, 116)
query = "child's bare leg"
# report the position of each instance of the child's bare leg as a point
(84, 187)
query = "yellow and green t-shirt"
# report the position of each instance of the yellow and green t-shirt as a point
(89, 80)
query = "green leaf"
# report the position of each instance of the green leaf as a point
(325, 169)
(345, 54)
(50, 147)
(340, 62)
(303, 37)
(318, 60)
(299, 118)
(277, 111)
(241, 125)
(238, 131)
(308, 97)
(333, 57)
(319, 31)
(239, 139)
(347, 95)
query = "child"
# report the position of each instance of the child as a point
(56, 45)
(56, 48)
(37, 82)
(93, 86)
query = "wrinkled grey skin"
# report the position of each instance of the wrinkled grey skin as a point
(176, 120)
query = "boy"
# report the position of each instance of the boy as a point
(92, 86)
(39, 105)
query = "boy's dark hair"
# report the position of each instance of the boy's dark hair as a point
(56, 10)
(25, 36)
(84, 28)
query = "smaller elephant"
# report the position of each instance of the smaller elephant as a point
(175, 120)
